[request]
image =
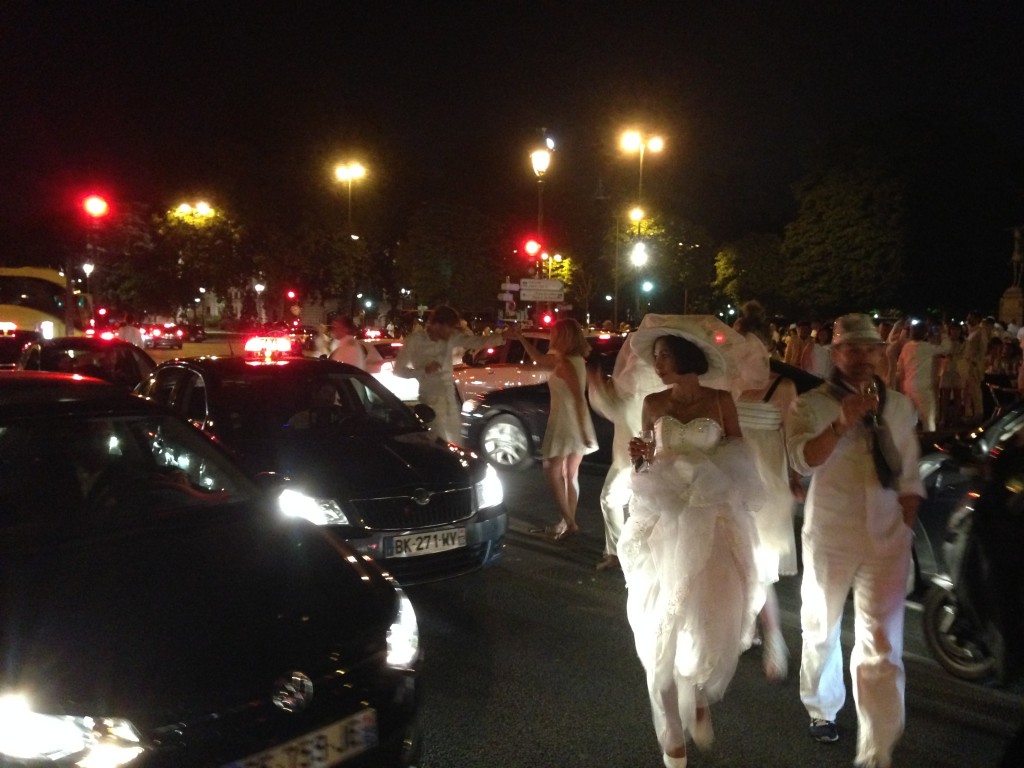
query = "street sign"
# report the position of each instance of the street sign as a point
(541, 290)
(510, 286)
(506, 297)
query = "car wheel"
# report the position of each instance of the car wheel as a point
(505, 443)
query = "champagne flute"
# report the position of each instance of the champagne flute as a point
(643, 463)
(871, 390)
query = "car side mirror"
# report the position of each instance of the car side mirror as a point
(424, 413)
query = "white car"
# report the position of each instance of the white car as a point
(507, 364)
(380, 363)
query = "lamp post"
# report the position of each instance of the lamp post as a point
(259, 288)
(541, 160)
(549, 260)
(87, 268)
(639, 258)
(634, 141)
(348, 174)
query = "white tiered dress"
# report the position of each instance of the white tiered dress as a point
(687, 551)
(761, 423)
(563, 436)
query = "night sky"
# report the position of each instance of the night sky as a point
(252, 103)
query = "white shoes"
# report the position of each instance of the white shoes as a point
(674, 762)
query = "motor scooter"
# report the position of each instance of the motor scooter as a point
(974, 613)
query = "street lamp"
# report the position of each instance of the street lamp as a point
(259, 288)
(87, 268)
(637, 215)
(638, 257)
(348, 174)
(634, 141)
(550, 259)
(541, 160)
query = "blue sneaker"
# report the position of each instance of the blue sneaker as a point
(823, 730)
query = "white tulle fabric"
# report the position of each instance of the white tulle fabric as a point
(687, 551)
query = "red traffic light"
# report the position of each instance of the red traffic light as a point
(95, 206)
(532, 247)
(291, 295)
(547, 319)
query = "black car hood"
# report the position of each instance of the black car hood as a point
(160, 624)
(348, 466)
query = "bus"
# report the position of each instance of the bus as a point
(33, 299)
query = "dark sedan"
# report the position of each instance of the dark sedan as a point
(158, 610)
(388, 486)
(12, 342)
(163, 336)
(113, 360)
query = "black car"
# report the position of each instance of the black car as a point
(12, 342)
(113, 360)
(158, 610)
(423, 508)
(506, 426)
(163, 336)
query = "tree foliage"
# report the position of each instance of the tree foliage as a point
(750, 268)
(846, 249)
(452, 254)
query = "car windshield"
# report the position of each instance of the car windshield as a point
(265, 402)
(78, 472)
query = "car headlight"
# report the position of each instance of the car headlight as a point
(403, 635)
(468, 406)
(318, 511)
(82, 741)
(488, 491)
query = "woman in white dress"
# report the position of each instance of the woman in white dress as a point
(761, 408)
(570, 431)
(687, 549)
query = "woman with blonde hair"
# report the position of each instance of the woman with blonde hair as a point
(570, 431)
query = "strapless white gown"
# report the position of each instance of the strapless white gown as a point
(687, 551)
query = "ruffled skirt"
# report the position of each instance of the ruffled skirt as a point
(687, 551)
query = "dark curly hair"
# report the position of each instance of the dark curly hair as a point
(688, 357)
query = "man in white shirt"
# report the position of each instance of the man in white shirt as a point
(130, 332)
(426, 356)
(857, 440)
(346, 347)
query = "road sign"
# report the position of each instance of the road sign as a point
(505, 297)
(541, 290)
(510, 286)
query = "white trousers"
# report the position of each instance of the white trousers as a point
(614, 497)
(926, 404)
(447, 421)
(879, 582)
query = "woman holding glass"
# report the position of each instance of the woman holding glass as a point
(687, 549)
(570, 430)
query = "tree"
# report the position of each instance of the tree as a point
(452, 254)
(749, 268)
(846, 249)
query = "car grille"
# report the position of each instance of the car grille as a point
(403, 513)
(234, 732)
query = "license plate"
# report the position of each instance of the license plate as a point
(416, 544)
(329, 746)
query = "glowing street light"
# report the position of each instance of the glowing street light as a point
(541, 161)
(349, 173)
(634, 141)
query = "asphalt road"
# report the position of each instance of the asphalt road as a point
(531, 663)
